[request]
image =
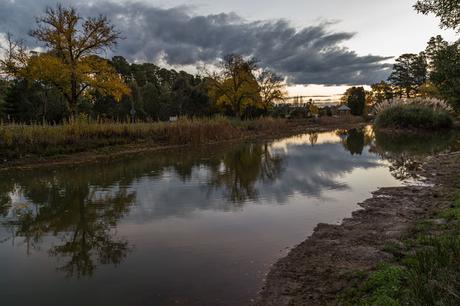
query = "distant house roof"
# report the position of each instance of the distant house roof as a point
(344, 108)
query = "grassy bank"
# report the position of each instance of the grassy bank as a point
(45, 140)
(426, 270)
(413, 116)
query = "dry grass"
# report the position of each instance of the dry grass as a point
(433, 103)
(18, 140)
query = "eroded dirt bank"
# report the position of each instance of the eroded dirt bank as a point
(317, 270)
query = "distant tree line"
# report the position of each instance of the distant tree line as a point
(71, 78)
(434, 72)
(155, 94)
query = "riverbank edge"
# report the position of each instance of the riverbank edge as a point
(337, 257)
(108, 153)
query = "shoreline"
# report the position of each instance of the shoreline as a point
(335, 257)
(108, 153)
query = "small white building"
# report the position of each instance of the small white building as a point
(344, 110)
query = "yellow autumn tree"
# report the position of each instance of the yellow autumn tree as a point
(272, 89)
(71, 63)
(313, 109)
(235, 86)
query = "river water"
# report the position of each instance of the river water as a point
(186, 227)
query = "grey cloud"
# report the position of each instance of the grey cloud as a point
(310, 55)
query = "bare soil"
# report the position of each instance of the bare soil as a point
(318, 269)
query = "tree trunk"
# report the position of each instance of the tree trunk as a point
(73, 95)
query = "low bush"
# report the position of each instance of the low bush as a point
(415, 116)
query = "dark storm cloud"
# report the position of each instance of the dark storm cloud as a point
(309, 55)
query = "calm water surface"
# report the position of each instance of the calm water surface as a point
(191, 227)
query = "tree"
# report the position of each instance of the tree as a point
(355, 97)
(272, 89)
(409, 72)
(122, 66)
(435, 44)
(235, 86)
(313, 109)
(4, 87)
(447, 10)
(429, 90)
(446, 73)
(71, 63)
(382, 91)
(27, 102)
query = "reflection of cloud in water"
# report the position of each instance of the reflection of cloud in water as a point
(307, 170)
(179, 183)
(313, 170)
(312, 138)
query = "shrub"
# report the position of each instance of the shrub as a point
(431, 102)
(413, 116)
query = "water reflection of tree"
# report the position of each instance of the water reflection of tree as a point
(406, 152)
(241, 168)
(5, 197)
(81, 207)
(82, 219)
(313, 138)
(403, 166)
(354, 140)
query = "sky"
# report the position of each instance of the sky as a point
(320, 46)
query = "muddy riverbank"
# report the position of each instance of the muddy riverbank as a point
(319, 269)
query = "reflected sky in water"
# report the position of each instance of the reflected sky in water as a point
(187, 227)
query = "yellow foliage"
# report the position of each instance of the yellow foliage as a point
(313, 109)
(71, 64)
(236, 94)
(429, 90)
(92, 74)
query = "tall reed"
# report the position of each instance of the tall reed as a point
(17, 140)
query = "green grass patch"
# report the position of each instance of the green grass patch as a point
(413, 116)
(381, 288)
(432, 275)
(453, 212)
(426, 269)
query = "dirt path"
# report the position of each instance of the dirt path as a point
(318, 269)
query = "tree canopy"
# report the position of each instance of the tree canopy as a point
(70, 64)
(447, 10)
(235, 86)
(272, 88)
(409, 72)
(446, 73)
(382, 91)
(355, 98)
